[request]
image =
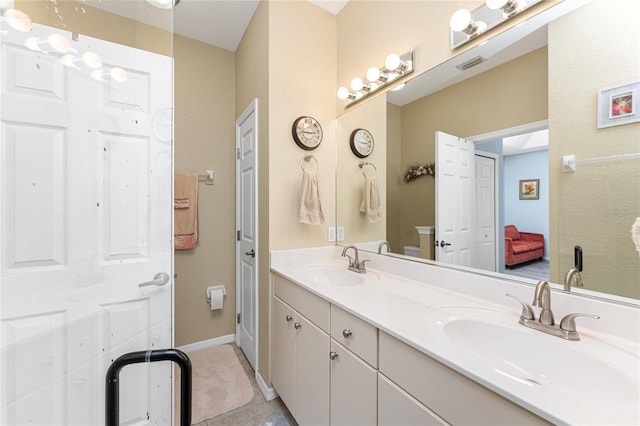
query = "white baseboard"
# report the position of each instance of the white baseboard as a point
(216, 341)
(269, 393)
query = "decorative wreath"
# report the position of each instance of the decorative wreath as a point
(417, 170)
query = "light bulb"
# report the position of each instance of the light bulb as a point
(92, 60)
(460, 20)
(496, 4)
(164, 4)
(18, 20)
(398, 87)
(373, 74)
(343, 93)
(118, 74)
(59, 43)
(392, 62)
(506, 6)
(357, 84)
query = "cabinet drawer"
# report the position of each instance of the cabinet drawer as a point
(453, 397)
(356, 335)
(316, 309)
(398, 408)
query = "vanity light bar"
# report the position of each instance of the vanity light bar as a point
(396, 66)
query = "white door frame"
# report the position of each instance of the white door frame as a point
(500, 134)
(251, 109)
(496, 202)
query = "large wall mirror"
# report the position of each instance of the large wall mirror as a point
(532, 100)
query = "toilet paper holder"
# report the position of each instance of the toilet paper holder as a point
(214, 288)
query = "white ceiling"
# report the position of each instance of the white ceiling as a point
(221, 23)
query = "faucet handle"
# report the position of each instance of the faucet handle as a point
(568, 323)
(361, 267)
(527, 310)
(351, 262)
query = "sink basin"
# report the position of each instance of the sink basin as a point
(335, 275)
(495, 343)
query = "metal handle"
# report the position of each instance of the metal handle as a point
(297, 325)
(527, 310)
(251, 253)
(568, 323)
(442, 244)
(333, 355)
(346, 333)
(288, 318)
(161, 278)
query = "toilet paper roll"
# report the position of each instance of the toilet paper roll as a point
(217, 297)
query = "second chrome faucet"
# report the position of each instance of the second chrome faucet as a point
(545, 322)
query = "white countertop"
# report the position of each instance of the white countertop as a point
(397, 296)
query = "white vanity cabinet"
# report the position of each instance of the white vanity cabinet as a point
(451, 396)
(300, 354)
(397, 408)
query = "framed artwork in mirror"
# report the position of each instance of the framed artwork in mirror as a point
(530, 189)
(618, 105)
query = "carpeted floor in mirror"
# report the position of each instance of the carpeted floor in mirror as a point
(226, 393)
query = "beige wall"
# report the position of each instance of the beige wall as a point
(252, 82)
(302, 69)
(394, 177)
(204, 101)
(594, 48)
(371, 116)
(494, 100)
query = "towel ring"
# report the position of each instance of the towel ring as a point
(308, 158)
(362, 165)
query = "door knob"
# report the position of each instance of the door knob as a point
(333, 355)
(161, 278)
(251, 253)
(297, 325)
(346, 333)
(442, 244)
(288, 318)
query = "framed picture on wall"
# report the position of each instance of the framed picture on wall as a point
(618, 105)
(530, 189)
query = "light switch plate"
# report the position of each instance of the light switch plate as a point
(340, 233)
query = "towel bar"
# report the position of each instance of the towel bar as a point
(309, 158)
(362, 165)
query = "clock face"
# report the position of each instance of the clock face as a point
(306, 132)
(361, 142)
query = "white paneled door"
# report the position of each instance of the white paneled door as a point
(247, 233)
(455, 199)
(86, 172)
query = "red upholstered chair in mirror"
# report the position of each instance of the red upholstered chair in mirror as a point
(521, 247)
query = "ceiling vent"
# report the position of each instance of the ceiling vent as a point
(471, 63)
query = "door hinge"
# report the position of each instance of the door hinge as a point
(238, 153)
(238, 235)
(238, 318)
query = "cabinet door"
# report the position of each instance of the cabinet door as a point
(398, 408)
(312, 374)
(353, 389)
(283, 352)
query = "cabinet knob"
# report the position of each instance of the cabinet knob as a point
(297, 325)
(346, 333)
(288, 318)
(333, 355)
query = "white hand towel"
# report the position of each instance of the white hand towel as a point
(370, 205)
(310, 208)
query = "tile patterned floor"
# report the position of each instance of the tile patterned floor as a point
(258, 412)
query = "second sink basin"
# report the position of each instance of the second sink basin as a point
(496, 344)
(335, 275)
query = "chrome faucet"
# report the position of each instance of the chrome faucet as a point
(572, 275)
(542, 298)
(355, 264)
(382, 244)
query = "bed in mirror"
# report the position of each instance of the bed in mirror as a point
(530, 99)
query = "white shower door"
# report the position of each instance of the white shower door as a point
(86, 178)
